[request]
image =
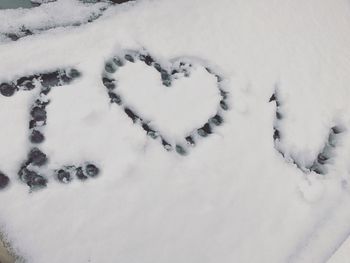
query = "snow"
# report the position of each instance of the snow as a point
(233, 198)
(42, 1)
(48, 15)
(181, 109)
(342, 254)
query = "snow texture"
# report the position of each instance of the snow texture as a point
(42, 1)
(61, 13)
(234, 197)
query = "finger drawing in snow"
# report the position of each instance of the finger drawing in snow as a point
(33, 171)
(168, 82)
(141, 131)
(323, 159)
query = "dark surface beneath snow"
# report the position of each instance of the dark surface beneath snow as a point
(11, 4)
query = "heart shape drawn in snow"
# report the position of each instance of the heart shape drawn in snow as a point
(175, 102)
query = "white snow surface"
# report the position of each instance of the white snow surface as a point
(175, 111)
(42, 1)
(48, 15)
(342, 254)
(233, 198)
